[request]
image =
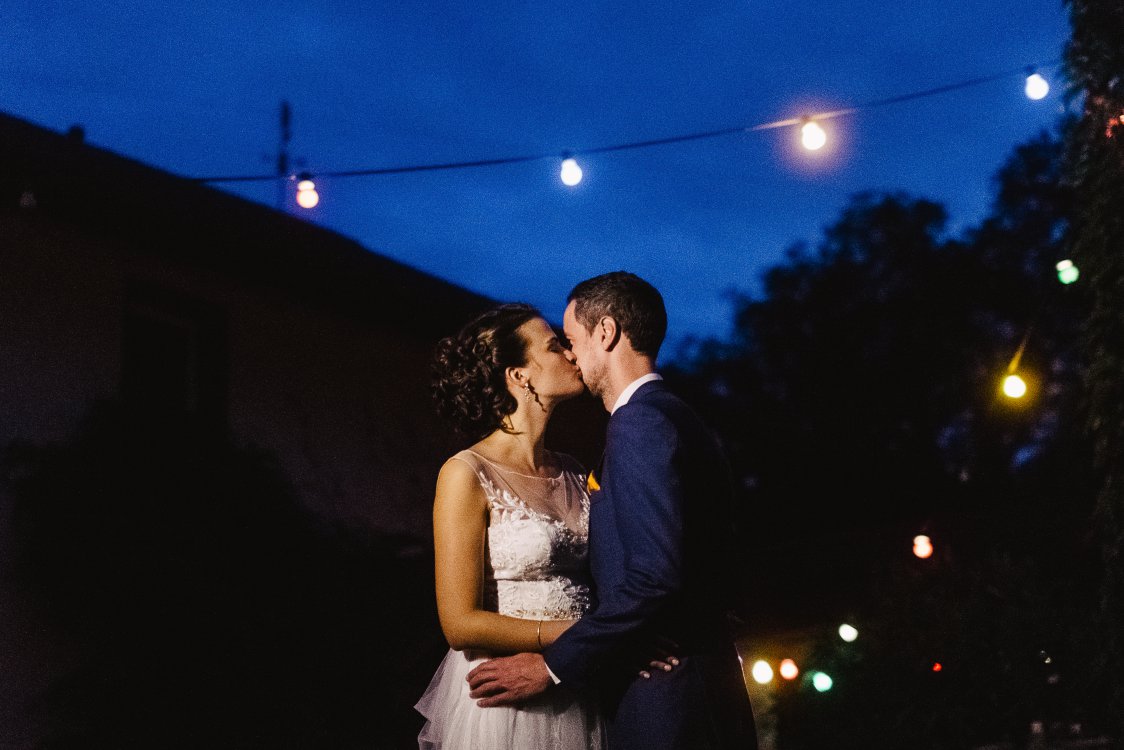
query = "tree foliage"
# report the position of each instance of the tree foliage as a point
(1094, 61)
(860, 404)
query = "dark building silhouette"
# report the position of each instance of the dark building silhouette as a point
(125, 284)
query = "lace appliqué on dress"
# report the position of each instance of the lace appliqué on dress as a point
(537, 562)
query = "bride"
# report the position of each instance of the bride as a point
(511, 528)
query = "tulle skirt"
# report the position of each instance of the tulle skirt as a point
(555, 720)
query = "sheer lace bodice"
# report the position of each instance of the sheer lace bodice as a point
(538, 533)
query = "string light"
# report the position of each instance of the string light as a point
(848, 632)
(1014, 386)
(811, 132)
(762, 672)
(1067, 272)
(922, 546)
(307, 197)
(822, 682)
(571, 173)
(812, 136)
(788, 669)
(1036, 86)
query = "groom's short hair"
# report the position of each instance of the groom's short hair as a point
(635, 304)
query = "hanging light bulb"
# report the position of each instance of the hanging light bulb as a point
(1036, 86)
(571, 173)
(812, 136)
(307, 197)
(848, 632)
(1014, 386)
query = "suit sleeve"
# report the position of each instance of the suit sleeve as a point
(647, 510)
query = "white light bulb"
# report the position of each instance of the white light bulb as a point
(1036, 86)
(848, 632)
(812, 136)
(308, 198)
(571, 173)
(762, 672)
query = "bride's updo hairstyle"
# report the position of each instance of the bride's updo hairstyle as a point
(469, 382)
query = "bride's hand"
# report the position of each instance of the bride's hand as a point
(662, 656)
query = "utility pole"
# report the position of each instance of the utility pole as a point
(283, 155)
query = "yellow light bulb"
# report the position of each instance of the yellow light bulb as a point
(1014, 386)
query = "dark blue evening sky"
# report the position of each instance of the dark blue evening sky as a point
(194, 88)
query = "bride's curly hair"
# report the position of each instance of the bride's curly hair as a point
(469, 384)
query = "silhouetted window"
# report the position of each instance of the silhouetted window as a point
(174, 355)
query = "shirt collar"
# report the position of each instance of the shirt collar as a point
(626, 394)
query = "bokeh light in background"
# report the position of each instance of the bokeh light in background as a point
(922, 546)
(1014, 386)
(1067, 272)
(762, 672)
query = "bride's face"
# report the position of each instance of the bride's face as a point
(550, 366)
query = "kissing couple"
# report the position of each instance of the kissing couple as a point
(583, 610)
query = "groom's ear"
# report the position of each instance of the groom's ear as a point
(608, 333)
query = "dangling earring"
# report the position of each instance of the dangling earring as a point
(529, 392)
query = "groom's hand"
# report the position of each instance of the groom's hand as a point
(508, 680)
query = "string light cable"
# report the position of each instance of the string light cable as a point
(571, 173)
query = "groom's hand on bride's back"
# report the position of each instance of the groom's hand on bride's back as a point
(508, 680)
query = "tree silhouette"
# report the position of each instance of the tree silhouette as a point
(859, 401)
(1094, 61)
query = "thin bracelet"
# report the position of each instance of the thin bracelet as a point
(538, 635)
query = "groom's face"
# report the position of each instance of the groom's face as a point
(586, 355)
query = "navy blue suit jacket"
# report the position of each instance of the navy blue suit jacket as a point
(658, 547)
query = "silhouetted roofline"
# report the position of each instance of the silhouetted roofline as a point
(175, 217)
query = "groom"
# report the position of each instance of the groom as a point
(659, 528)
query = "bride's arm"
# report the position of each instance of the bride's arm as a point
(460, 525)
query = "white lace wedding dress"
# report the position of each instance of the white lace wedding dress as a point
(538, 534)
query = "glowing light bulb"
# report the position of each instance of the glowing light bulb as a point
(762, 672)
(822, 682)
(1036, 87)
(571, 173)
(812, 136)
(307, 197)
(788, 669)
(848, 632)
(1014, 386)
(922, 546)
(1067, 272)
